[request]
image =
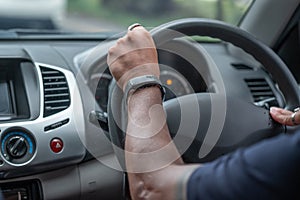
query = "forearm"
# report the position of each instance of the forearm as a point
(147, 130)
(154, 166)
(152, 160)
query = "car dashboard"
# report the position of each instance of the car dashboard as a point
(50, 146)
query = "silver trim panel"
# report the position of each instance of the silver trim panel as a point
(72, 133)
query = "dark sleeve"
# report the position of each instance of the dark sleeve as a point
(267, 170)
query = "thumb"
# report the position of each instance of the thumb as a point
(282, 116)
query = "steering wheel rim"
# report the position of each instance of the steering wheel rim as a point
(240, 38)
(215, 29)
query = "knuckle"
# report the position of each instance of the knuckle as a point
(121, 41)
(139, 32)
(111, 51)
(131, 35)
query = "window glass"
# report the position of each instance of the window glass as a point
(112, 15)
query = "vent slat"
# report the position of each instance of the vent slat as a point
(56, 95)
(53, 77)
(56, 91)
(55, 83)
(56, 101)
(268, 93)
(260, 88)
(45, 72)
(240, 66)
(257, 84)
(57, 108)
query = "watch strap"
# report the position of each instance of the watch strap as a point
(142, 82)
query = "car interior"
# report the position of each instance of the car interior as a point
(60, 111)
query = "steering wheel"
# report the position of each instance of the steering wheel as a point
(242, 123)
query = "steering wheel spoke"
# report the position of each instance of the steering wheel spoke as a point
(242, 124)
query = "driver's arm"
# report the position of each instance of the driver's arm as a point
(156, 170)
(268, 170)
(152, 160)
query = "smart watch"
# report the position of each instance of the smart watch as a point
(143, 82)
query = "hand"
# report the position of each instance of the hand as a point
(133, 55)
(284, 116)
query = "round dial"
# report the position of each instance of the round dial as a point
(175, 84)
(17, 147)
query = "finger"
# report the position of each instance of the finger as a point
(142, 36)
(282, 116)
(117, 50)
(280, 111)
(110, 55)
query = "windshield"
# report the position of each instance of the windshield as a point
(112, 15)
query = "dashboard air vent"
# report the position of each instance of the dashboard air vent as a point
(260, 89)
(56, 91)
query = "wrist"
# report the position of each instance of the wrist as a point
(140, 83)
(141, 70)
(146, 89)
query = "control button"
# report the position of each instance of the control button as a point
(56, 145)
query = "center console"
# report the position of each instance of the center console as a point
(39, 129)
(44, 127)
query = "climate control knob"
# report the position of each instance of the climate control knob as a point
(17, 146)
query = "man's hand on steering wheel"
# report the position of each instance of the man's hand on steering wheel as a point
(133, 55)
(285, 117)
